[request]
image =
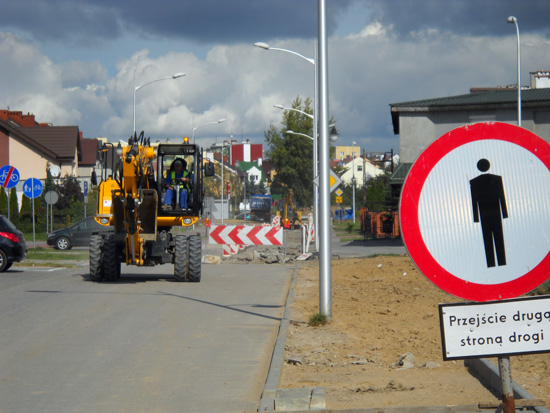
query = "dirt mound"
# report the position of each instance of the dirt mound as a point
(383, 344)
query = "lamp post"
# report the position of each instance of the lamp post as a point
(333, 134)
(136, 88)
(325, 254)
(209, 123)
(221, 164)
(265, 46)
(290, 132)
(514, 20)
(353, 180)
(294, 110)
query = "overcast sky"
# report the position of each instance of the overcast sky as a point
(72, 62)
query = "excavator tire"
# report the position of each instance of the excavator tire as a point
(111, 264)
(195, 258)
(181, 259)
(96, 258)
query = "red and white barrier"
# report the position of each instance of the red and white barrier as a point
(230, 249)
(246, 235)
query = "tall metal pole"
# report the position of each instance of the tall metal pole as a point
(325, 258)
(316, 148)
(222, 182)
(353, 181)
(514, 20)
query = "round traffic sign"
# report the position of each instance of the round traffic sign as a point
(474, 208)
(32, 188)
(9, 176)
(51, 197)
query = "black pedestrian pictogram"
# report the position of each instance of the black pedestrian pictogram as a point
(489, 205)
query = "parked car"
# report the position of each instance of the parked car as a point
(242, 215)
(77, 235)
(12, 244)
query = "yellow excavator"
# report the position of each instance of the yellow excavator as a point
(290, 216)
(137, 227)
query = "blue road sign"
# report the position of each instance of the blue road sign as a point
(32, 188)
(9, 176)
(85, 188)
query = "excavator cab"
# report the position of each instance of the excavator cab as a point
(175, 203)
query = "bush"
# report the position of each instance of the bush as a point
(318, 319)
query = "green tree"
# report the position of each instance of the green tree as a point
(3, 201)
(14, 207)
(69, 208)
(378, 193)
(262, 190)
(250, 187)
(292, 155)
(25, 214)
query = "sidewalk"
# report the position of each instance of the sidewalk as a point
(363, 249)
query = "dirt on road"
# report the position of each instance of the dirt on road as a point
(382, 346)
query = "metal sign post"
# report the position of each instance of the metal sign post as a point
(32, 188)
(473, 216)
(51, 197)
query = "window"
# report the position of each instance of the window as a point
(359, 168)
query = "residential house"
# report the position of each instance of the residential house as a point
(362, 170)
(30, 146)
(252, 171)
(344, 152)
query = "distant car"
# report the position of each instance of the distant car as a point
(12, 244)
(77, 235)
(242, 215)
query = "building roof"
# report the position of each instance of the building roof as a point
(90, 152)
(487, 98)
(16, 132)
(247, 166)
(61, 140)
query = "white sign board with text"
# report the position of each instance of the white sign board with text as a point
(518, 326)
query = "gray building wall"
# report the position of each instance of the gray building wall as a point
(419, 128)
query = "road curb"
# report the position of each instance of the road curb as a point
(270, 393)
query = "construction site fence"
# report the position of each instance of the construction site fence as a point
(383, 224)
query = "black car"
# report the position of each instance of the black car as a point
(12, 244)
(77, 235)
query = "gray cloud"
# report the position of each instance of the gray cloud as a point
(87, 22)
(466, 17)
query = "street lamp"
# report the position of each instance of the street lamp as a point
(294, 110)
(209, 123)
(265, 46)
(353, 180)
(512, 19)
(299, 134)
(136, 88)
(333, 134)
(224, 144)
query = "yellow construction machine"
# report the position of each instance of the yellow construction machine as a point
(138, 230)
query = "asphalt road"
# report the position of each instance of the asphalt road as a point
(144, 344)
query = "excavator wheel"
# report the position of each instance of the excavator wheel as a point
(195, 258)
(96, 258)
(181, 259)
(111, 263)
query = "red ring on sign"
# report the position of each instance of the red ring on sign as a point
(410, 226)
